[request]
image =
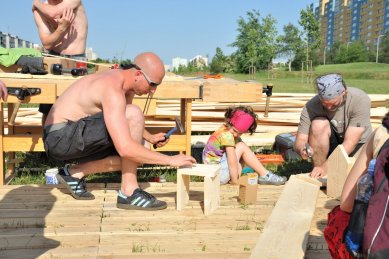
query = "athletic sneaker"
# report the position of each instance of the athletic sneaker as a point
(139, 200)
(76, 186)
(272, 179)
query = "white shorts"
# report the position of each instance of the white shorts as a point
(224, 170)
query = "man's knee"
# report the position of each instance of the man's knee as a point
(320, 126)
(134, 114)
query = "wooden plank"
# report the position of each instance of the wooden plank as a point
(178, 90)
(286, 231)
(200, 170)
(141, 103)
(47, 95)
(176, 143)
(306, 177)
(231, 91)
(339, 165)
(24, 143)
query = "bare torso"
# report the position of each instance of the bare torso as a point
(74, 40)
(84, 97)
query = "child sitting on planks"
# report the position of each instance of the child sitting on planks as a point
(225, 147)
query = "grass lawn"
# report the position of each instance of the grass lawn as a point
(370, 77)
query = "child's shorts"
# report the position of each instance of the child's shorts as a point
(224, 171)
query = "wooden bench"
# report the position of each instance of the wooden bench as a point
(211, 174)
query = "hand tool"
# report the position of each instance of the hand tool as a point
(308, 149)
(178, 127)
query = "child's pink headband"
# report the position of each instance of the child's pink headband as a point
(242, 121)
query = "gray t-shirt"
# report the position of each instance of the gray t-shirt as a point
(355, 113)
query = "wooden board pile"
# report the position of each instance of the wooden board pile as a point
(283, 116)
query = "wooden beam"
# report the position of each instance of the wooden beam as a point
(48, 91)
(24, 143)
(232, 91)
(176, 143)
(339, 165)
(287, 230)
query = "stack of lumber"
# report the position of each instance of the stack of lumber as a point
(283, 116)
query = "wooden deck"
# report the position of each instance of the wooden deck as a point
(43, 221)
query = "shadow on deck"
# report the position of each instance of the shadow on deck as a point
(44, 221)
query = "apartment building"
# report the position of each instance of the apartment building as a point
(351, 20)
(11, 41)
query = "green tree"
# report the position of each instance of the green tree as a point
(256, 41)
(357, 52)
(341, 53)
(229, 64)
(218, 63)
(290, 43)
(311, 30)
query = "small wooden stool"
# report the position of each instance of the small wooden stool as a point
(211, 174)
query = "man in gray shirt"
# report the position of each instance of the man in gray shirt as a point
(336, 115)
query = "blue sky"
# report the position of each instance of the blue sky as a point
(170, 28)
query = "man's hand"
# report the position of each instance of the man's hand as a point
(3, 91)
(158, 139)
(304, 152)
(66, 20)
(319, 171)
(182, 160)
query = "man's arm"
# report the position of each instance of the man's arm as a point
(352, 137)
(299, 145)
(114, 108)
(302, 132)
(359, 121)
(54, 11)
(51, 37)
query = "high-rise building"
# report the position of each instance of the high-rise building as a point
(346, 21)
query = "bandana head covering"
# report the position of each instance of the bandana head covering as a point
(329, 86)
(242, 121)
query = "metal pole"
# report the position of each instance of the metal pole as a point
(347, 46)
(378, 44)
(324, 58)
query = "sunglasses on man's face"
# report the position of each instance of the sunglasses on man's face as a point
(149, 81)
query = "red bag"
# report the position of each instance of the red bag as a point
(333, 233)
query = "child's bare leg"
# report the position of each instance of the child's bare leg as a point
(244, 153)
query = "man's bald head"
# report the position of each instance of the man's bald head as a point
(152, 65)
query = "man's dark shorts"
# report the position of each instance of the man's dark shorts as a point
(80, 141)
(336, 140)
